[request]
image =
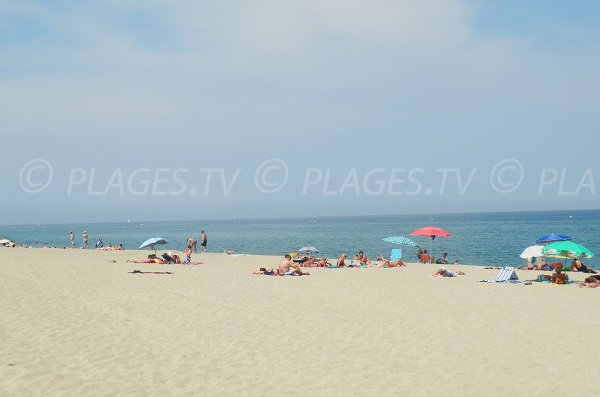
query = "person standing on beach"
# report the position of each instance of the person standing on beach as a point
(85, 238)
(72, 238)
(203, 240)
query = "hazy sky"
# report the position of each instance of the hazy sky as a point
(160, 110)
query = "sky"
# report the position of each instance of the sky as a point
(170, 110)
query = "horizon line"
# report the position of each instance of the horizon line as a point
(302, 217)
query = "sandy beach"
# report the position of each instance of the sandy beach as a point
(78, 322)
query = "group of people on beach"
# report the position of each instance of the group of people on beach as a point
(85, 243)
(359, 260)
(577, 265)
(290, 267)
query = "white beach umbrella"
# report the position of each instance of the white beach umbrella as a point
(532, 252)
(308, 250)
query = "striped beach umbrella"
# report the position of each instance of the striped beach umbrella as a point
(308, 250)
(401, 240)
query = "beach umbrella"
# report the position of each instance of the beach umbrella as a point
(431, 231)
(152, 243)
(401, 240)
(5, 241)
(532, 252)
(550, 238)
(567, 249)
(308, 250)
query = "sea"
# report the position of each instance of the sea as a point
(483, 239)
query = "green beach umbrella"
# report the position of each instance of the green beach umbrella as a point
(567, 249)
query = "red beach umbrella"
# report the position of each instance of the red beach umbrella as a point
(431, 231)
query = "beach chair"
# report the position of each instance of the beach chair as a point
(507, 274)
(395, 254)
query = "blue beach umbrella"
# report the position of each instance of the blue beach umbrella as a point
(152, 243)
(550, 238)
(401, 240)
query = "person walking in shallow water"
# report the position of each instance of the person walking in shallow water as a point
(72, 238)
(85, 239)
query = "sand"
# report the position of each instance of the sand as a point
(76, 323)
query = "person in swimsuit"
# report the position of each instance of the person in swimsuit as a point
(442, 271)
(591, 281)
(558, 277)
(267, 271)
(362, 258)
(192, 242)
(86, 240)
(203, 240)
(341, 262)
(289, 268)
(578, 266)
(152, 258)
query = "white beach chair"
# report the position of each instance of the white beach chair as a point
(506, 274)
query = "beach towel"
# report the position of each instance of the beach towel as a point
(507, 274)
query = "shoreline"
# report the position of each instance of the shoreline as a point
(520, 267)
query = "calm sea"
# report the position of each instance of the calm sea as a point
(483, 239)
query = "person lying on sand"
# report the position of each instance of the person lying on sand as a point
(578, 266)
(267, 271)
(386, 263)
(141, 272)
(152, 258)
(310, 262)
(442, 271)
(591, 282)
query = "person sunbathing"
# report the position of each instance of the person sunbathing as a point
(578, 266)
(362, 258)
(323, 263)
(387, 263)
(310, 262)
(289, 268)
(425, 258)
(151, 259)
(591, 282)
(341, 261)
(267, 271)
(442, 271)
(558, 277)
